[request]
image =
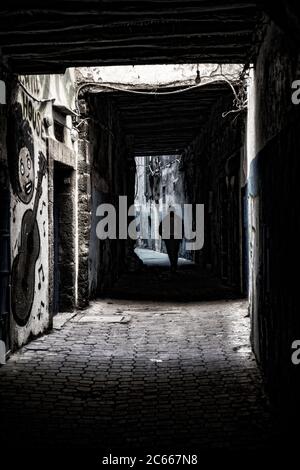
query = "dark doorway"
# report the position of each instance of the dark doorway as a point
(64, 239)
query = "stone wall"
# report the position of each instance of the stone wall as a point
(274, 210)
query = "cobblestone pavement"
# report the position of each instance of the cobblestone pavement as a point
(139, 374)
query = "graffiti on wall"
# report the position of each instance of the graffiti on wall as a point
(23, 268)
(29, 202)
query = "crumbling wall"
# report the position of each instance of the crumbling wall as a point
(273, 188)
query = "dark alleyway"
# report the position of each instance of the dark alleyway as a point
(113, 115)
(139, 375)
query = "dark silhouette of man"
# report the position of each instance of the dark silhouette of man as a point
(171, 232)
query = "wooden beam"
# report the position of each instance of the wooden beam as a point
(43, 65)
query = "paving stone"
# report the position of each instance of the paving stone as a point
(189, 381)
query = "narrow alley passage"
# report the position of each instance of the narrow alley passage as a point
(154, 281)
(139, 375)
(133, 134)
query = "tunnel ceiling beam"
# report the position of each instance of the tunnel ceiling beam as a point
(35, 39)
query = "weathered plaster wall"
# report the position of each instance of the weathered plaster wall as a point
(30, 129)
(29, 222)
(274, 211)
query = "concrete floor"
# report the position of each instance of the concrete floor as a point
(139, 375)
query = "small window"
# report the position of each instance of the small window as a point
(164, 194)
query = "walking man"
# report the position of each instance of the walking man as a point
(171, 231)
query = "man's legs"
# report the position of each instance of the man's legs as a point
(172, 250)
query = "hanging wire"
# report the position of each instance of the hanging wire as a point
(216, 76)
(127, 87)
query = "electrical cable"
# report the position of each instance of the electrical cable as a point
(218, 77)
(44, 100)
